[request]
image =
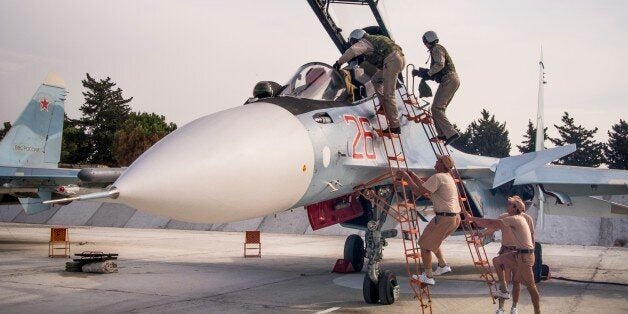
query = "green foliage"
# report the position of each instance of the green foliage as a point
(529, 142)
(104, 113)
(588, 154)
(139, 132)
(75, 147)
(5, 129)
(464, 142)
(486, 137)
(616, 150)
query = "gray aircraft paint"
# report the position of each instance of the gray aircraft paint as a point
(31, 150)
(338, 137)
(35, 138)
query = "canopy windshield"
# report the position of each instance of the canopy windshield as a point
(349, 17)
(317, 81)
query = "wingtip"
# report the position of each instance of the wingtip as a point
(53, 79)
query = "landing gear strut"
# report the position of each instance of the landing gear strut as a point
(379, 286)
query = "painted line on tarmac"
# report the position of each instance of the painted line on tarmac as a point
(329, 310)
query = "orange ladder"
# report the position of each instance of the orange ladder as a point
(476, 247)
(405, 212)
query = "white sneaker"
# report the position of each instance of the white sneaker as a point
(499, 311)
(513, 310)
(502, 295)
(441, 270)
(424, 278)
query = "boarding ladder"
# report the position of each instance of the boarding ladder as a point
(421, 115)
(404, 210)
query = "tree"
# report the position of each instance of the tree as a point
(529, 142)
(5, 129)
(75, 148)
(616, 150)
(463, 143)
(104, 113)
(588, 154)
(486, 137)
(138, 133)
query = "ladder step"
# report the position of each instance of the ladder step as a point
(401, 182)
(463, 199)
(389, 135)
(411, 118)
(411, 231)
(406, 205)
(410, 101)
(435, 140)
(396, 158)
(426, 120)
(415, 255)
(457, 180)
(481, 263)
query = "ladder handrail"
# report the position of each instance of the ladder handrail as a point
(406, 217)
(480, 259)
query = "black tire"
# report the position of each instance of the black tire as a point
(354, 252)
(387, 283)
(370, 290)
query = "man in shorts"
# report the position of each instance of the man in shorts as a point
(520, 261)
(443, 192)
(515, 205)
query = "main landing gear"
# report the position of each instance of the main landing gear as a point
(354, 252)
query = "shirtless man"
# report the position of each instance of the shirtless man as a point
(521, 260)
(514, 206)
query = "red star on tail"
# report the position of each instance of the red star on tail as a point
(44, 104)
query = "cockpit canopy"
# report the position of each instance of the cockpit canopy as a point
(317, 81)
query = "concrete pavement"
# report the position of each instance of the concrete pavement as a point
(204, 271)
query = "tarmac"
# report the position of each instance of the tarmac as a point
(204, 271)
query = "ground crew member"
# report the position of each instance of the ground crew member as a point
(514, 206)
(443, 71)
(444, 195)
(521, 260)
(384, 54)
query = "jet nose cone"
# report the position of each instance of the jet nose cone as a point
(236, 164)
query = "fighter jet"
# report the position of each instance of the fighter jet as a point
(31, 150)
(314, 143)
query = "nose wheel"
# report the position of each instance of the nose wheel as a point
(385, 291)
(370, 290)
(388, 287)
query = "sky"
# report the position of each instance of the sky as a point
(187, 59)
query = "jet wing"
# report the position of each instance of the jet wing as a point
(38, 173)
(577, 181)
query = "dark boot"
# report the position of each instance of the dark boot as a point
(452, 139)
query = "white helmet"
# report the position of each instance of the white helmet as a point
(430, 37)
(356, 35)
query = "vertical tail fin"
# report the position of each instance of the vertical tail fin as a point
(35, 138)
(540, 139)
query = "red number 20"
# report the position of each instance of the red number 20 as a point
(362, 135)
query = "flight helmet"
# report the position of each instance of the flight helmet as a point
(430, 38)
(356, 35)
(263, 90)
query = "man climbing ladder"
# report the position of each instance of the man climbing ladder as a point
(441, 189)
